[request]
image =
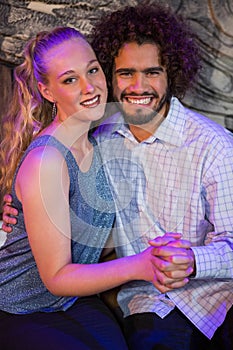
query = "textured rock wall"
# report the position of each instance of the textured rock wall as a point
(211, 19)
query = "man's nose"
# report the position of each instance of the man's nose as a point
(138, 83)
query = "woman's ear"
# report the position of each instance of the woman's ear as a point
(45, 92)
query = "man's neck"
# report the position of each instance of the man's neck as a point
(139, 132)
(144, 131)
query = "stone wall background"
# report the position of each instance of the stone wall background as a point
(212, 20)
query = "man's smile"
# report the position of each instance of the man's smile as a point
(139, 100)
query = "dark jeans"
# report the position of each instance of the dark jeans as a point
(88, 324)
(147, 331)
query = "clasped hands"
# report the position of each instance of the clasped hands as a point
(173, 261)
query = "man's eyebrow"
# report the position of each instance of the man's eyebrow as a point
(123, 70)
(146, 70)
(152, 69)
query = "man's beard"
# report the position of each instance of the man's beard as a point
(144, 115)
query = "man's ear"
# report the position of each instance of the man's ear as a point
(45, 92)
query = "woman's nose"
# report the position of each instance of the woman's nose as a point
(86, 86)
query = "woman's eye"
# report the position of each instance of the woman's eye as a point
(69, 80)
(93, 70)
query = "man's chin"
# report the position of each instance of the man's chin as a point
(138, 117)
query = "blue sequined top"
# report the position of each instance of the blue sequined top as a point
(92, 216)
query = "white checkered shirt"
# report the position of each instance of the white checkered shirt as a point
(180, 179)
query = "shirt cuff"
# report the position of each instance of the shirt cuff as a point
(206, 262)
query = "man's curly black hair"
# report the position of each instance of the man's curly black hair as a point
(153, 23)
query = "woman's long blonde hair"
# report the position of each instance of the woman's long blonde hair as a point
(29, 112)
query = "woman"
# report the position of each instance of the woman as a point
(49, 263)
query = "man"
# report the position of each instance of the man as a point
(150, 59)
(171, 170)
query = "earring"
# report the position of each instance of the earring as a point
(54, 111)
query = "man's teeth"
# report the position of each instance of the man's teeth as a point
(139, 101)
(90, 102)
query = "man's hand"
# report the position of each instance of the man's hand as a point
(9, 214)
(174, 261)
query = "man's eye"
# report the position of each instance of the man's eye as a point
(153, 73)
(70, 80)
(125, 74)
